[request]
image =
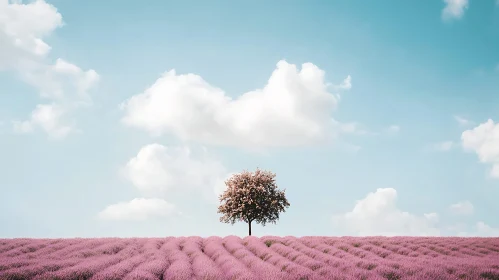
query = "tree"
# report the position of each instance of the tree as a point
(252, 196)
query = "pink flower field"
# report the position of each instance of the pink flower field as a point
(267, 257)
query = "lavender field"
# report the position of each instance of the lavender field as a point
(267, 257)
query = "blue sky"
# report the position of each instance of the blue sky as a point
(124, 119)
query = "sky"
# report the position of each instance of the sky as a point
(124, 118)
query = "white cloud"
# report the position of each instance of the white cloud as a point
(220, 186)
(292, 109)
(56, 81)
(494, 172)
(348, 128)
(444, 146)
(378, 214)
(462, 208)
(22, 126)
(484, 141)
(346, 84)
(454, 9)
(352, 148)
(23, 29)
(393, 128)
(47, 117)
(137, 209)
(481, 229)
(158, 169)
(462, 121)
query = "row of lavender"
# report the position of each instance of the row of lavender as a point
(251, 258)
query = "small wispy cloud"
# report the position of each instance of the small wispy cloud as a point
(462, 208)
(50, 118)
(352, 148)
(349, 127)
(444, 146)
(346, 84)
(393, 128)
(463, 121)
(454, 9)
(137, 209)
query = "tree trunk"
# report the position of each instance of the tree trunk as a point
(249, 224)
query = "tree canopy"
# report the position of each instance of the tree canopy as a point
(252, 196)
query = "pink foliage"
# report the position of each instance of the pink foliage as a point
(119, 270)
(202, 265)
(214, 248)
(269, 257)
(261, 268)
(180, 266)
(252, 196)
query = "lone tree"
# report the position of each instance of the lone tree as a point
(252, 196)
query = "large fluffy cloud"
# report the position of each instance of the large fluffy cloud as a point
(137, 209)
(454, 9)
(484, 141)
(161, 171)
(158, 169)
(378, 214)
(294, 108)
(23, 29)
